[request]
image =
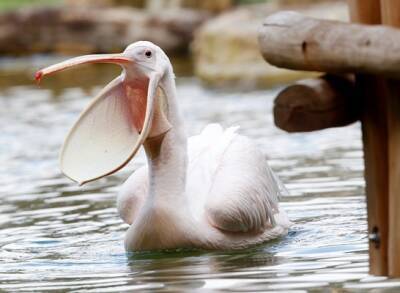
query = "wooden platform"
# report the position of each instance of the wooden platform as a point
(366, 55)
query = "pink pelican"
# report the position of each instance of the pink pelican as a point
(211, 191)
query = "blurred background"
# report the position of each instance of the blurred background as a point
(214, 40)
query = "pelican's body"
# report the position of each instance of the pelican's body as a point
(212, 191)
(226, 197)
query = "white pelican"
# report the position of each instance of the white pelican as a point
(211, 191)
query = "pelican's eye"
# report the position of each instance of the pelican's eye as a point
(148, 54)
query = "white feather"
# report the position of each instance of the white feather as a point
(229, 188)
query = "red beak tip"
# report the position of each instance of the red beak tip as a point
(38, 76)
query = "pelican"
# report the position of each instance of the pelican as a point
(210, 191)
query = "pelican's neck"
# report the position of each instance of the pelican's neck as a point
(167, 152)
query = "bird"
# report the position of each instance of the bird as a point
(212, 191)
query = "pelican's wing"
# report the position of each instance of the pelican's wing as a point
(242, 191)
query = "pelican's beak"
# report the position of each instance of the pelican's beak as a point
(112, 128)
(87, 59)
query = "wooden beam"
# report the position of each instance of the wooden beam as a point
(371, 90)
(317, 103)
(290, 40)
(390, 10)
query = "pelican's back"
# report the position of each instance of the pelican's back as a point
(230, 183)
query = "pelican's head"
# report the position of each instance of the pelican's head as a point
(147, 59)
(140, 59)
(116, 123)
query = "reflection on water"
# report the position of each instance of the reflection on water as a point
(57, 236)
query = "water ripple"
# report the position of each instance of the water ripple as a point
(56, 236)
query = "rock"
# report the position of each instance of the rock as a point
(214, 6)
(106, 3)
(77, 30)
(226, 50)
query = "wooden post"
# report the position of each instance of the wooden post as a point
(365, 11)
(374, 128)
(390, 11)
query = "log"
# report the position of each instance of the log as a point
(290, 40)
(371, 90)
(390, 12)
(315, 104)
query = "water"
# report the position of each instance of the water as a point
(56, 236)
